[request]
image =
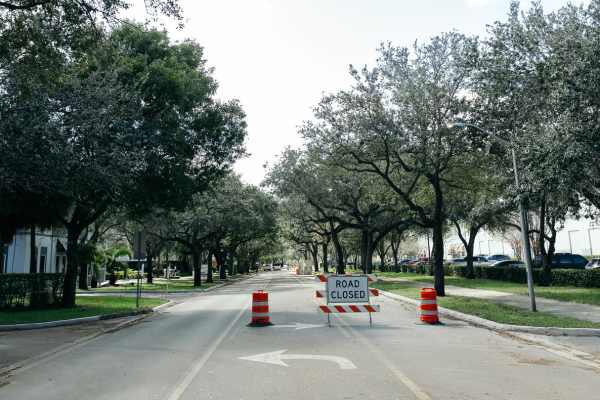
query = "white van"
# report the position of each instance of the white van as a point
(277, 267)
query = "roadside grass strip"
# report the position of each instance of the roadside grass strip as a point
(86, 307)
(492, 311)
(158, 286)
(569, 293)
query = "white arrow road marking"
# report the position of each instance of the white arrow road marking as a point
(297, 326)
(275, 357)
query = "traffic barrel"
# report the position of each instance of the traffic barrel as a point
(429, 310)
(297, 271)
(260, 308)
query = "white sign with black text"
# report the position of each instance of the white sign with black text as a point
(347, 289)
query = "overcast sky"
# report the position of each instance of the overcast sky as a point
(278, 56)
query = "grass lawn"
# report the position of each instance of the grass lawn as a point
(570, 293)
(490, 310)
(158, 285)
(86, 307)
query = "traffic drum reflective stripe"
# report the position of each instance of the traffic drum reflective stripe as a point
(429, 310)
(260, 308)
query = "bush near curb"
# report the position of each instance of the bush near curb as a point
(587, 278)
(40, 289)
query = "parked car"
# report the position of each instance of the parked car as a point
(463, 261)
(508, 263)
(482, 255)
(403, 262)
(277, 267)
(172, 272)
(497, 257)
(562, 261)
(593, 264)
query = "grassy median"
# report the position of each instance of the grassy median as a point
(86, 307)
(159, 286)
(570, 293)
(497, 312)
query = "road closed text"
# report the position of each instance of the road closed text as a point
(342, 289)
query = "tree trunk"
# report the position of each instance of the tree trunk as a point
(338, 253)
(437, 256)
(470, 247)
(209, 272)
(363, 250)
(149, 271)
(546, 255)
(325, 259)
(368, 262)
(197, 260)
(231, 262)
(32, 249)
(83, 277)
(70, 281)
(221, 264)
(395, 254)
(315, 255)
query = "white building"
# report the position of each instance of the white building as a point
(50, 249)
(577, 237)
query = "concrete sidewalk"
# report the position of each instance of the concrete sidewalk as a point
(585, 312)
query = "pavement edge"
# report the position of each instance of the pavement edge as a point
(494, 326)
(83, 320)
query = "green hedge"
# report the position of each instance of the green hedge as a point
(588, 278)
(38, 289)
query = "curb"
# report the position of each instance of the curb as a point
(158, 291)
(83, 320)
(494, 326)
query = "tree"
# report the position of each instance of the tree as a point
(392, 126)
(479, 203)
(341, 200)
(522, 92)
(110, 140)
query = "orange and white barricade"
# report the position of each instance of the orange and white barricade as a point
(260, 308)
(429, 310)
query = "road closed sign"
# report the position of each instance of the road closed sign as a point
(347, 289)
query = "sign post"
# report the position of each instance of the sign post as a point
(139, 248)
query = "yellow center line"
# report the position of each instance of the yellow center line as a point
(264, 285)
(395, 370)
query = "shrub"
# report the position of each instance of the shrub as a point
(40, 289)
(560, 277)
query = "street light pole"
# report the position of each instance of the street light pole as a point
(522, 215)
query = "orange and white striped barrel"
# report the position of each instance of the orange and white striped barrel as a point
(260, 308)
(297, 271)
(429, 310)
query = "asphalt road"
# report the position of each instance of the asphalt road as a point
(202, 349)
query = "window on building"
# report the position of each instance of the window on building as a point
(43, 263)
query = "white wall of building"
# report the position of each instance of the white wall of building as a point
(577, 237)
(17, 259)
